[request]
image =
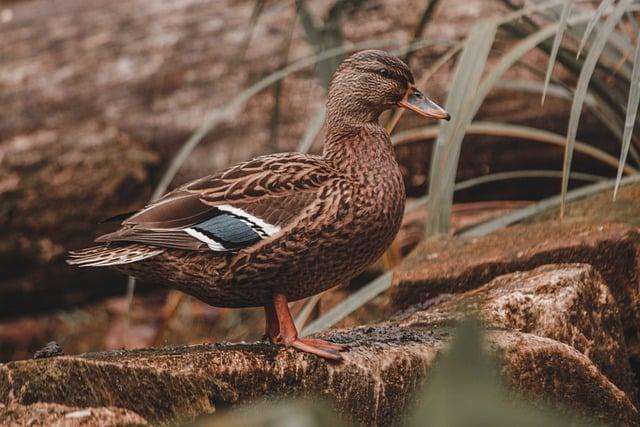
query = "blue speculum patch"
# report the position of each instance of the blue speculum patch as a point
(229, 230)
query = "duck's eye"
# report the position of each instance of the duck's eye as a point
(383, 72)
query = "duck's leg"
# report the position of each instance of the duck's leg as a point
(282, 330)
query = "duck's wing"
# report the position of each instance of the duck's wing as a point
(237, 208)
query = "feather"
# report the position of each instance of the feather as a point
(231, 210)
(100, 256)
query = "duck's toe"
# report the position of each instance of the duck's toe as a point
(328, 345)
(320, 348)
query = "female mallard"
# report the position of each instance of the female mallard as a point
(285, 226)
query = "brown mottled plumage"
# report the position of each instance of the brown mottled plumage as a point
(286, 226)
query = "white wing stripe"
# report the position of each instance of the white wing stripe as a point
(268, 229)
(213, 245)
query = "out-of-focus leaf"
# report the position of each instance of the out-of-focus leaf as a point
(305, 312)
(604, 5)
(281, 413)
(444, 164)
(258, 7)
(327, 35)
(562, 24)
(313, 129)
(464, 389)
(632, 111)
(424, 21)
(581, 89)
(502, 176)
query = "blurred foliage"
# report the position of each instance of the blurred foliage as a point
(285, 413)
(326, 35)
(464, 390)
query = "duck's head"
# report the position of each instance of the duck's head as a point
(372, 81)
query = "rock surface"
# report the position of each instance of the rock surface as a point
(460, 264)
(384, 365)
(54, 415)
(569, 303)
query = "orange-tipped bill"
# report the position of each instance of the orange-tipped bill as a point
(414, 100)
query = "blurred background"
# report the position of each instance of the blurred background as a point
(106, 105)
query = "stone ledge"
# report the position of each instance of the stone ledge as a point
(459, 264)
(51, 414)
(384, 366)
(569, 303)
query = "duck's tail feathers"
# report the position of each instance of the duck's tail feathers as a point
(103, 256)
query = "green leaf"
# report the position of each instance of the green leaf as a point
(444, 163)
(464, 388)
(604, 5)
(632, 111)
(562, 24)
(581, 89)
(601, 110)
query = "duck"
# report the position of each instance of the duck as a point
(282, 227)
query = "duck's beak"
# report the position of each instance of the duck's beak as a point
(415, 100)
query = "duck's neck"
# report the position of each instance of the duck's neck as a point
(354, 138)
(356, 147)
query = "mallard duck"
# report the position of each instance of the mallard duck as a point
(282, 227)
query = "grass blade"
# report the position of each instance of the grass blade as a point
(306, 311)
(581, 89)
(504, 176)
(520, 174)
(514, 55)
(312, 131)
(444, 164)
(632, 111)
(599, 109)
(349, 305)
(604, 5)
(528, 11)
(543, 205)
(562, 24)
(515, 131)
(424, 21)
